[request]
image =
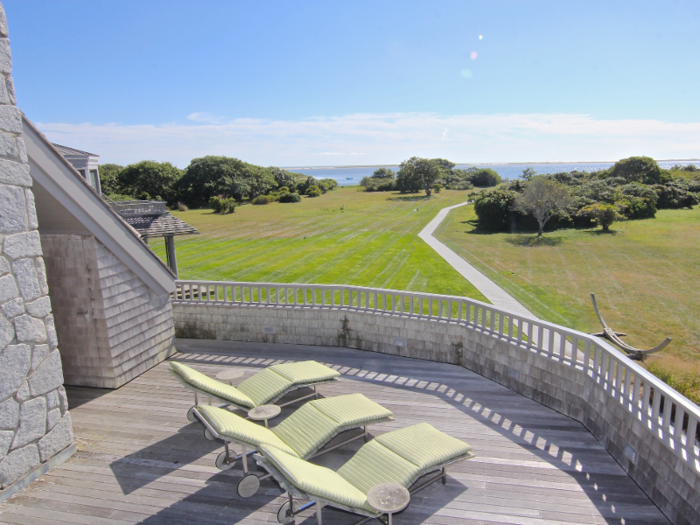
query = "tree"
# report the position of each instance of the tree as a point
(109, 178)
(417, 174)
(227, 177)
(149, 179)
(445, 165)
(494, 208)
(485, 178)
(383, 173)
(639, 169)
(542, 198)
(284, 177)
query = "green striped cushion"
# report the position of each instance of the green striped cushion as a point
(351, 409)
(211, 386)
(315, 480)
(235, 427)
(306, 430)
(423, 445)
(305, 372)
(264, 386)
(374, 464)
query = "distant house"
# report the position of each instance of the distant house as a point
(85, 163)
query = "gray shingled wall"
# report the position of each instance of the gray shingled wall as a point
(34, 421)
(111, 326)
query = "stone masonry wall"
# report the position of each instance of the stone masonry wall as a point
(672, 485)
(34, 421)
(111, 327)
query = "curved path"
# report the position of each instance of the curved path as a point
(494, 293)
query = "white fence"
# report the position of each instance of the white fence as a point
(668, 415)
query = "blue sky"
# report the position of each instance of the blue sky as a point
(296, 83)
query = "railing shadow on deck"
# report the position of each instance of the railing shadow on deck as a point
(599, 488)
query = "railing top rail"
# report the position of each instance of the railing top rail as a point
(638, 370)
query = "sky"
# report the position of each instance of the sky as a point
(332, 83)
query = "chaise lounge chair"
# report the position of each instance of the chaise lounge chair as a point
(267, 386)
(301, 435)
(403, 456)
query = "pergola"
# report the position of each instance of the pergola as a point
(152, 219)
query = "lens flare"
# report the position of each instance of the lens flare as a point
(474, 55)
(466, 73)
(481, 37)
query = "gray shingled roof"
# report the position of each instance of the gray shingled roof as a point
(161, 225)
(65, 150)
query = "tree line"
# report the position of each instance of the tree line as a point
(633, 188)
(419, 174)
(208, 181)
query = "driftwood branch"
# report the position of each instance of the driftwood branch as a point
(614, 337)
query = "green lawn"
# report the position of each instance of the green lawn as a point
(644, 274)
(342, 237)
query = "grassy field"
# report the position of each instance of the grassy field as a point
(644, 274)
(342, 237)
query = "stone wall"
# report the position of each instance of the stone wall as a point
(35, 424)
(111, 326)
(670, 482)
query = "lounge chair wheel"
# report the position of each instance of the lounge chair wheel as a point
(208, 435)
(190, 415)
(283, 515)
(248, 486)
(222, 463)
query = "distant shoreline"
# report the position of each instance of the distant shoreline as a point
(476, 164)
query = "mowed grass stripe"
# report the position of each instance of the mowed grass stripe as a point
(343, 237)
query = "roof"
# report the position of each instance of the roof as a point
(66, 151)
(74, 196)
(160, 225)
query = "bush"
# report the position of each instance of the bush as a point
(283, 189)
(485, 178)
(638, 169)
(679, 193)
(313, 191)
(603, 214)
(290, 197)
(261, 200)
(372, 184)
(222, 205)
(327, 184)
(493, 208)
(383, 173)
(437, 188)
(182, 206)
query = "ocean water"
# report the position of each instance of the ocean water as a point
(348, 176)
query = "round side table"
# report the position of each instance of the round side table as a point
(229, 375)
(264, 412)
(388, 498)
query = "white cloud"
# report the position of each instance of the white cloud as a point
(385, 138)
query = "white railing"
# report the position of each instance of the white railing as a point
(138, 208)
(671, 417)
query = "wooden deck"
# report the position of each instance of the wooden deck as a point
(140, 461)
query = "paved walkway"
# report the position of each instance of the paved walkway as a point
(494, 293)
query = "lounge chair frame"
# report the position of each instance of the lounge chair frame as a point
(294, 493)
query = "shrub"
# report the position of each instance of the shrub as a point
(678, 193)
(313, 191)
(290, 197)
(493, 208)
(383, 173)
(603, 214)
(261, 199)
(222, 205)
(371, 184)
(327, 184)
(182, 206)
(283, 189)
(437, 188)
(485, 178)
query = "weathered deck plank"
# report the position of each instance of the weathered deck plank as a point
(140, 461)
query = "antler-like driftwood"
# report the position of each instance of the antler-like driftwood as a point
(634, 353)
